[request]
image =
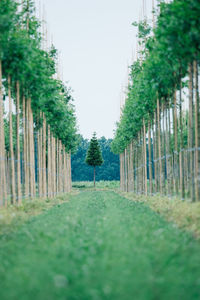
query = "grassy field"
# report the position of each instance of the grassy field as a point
(99, 245)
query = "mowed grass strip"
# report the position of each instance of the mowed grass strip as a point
(99, 246)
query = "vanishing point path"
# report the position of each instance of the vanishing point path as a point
(98, 246)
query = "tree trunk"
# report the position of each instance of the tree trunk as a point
(3, 189)
(26, 148)
(49, 163)
(181, 153)
(159, 148)
(121, 179)
(40, 173)
(155, 153)
(32, 151)
(19, 196)
(57, 166)
(150, 161)
(176, 159)
(145, 158)
(191, 134)
(12, 158)
(94, 176)
(131, 181)
(70, 172)
(197, 133)
(163, 150)
(44, 163)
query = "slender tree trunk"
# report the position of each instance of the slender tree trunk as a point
(3, 189)
(12, 158)
(197, 133)
(131, 182)
(44, 162)
(145, 159)
(53, 158)
(170, 156)
(121, 179)
(70, 172)
(128, 168)
(150, 160)
(163, 150)
(57, 166)
(191, 134)
(26, 148)
(40, 173)
(65, 179)
(182, 167)
(19, 195)
(159, 148)
(176, 159)
(137, 166)
(123, 175)
(155, 152)
(32, 151)
(94, 176)
(39, 179)
(60, 167)
(49, 163)
(167, 151)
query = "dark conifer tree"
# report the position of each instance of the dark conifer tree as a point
(94, 156)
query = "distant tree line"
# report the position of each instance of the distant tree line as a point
(108, 171)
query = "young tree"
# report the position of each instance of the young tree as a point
(94, 156)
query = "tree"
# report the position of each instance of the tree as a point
(108, 171)
(94, 156)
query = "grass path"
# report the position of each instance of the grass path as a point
(99, 246)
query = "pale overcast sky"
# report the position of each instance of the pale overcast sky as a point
(97, 42)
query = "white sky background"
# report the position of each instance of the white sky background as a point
(96, 41)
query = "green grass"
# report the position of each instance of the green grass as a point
(102, 184)
(13, 216)
(99, 246)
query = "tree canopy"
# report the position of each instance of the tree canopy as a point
(94, 156)
(163, 60)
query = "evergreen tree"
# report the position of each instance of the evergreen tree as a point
(94, 156)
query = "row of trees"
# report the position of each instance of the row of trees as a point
(38, 132)
(158, 136)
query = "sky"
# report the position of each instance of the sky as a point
(96, 42)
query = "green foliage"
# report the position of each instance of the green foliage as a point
(99, 245)
(163, 62)
(94, 156)
(108, 171)
(24, 60)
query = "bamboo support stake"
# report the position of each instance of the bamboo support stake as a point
(150, 160)
(12, 158)
(167, 151)
(32, 152)
(44, 162)
(176, 175)
(191, 133)
(145, 159)
(19, 195)
(49, 162)
(155, 152)
(159, 148)
(131, 175)
(197, 134)
(27, 153)
(181, 154)
(3, 193)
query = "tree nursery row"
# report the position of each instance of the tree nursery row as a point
(37, 118)
(158, 136)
